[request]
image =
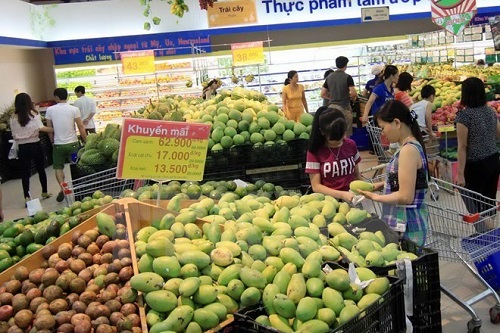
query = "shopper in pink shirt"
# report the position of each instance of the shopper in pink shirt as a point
(332, 158)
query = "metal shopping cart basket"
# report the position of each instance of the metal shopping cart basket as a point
(463, 227)
(379, 144)
(104, 181)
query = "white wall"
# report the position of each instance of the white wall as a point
(15, 19)
(25, 70)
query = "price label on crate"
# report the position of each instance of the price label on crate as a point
(138, 62)
(251, 53)
(151, 149)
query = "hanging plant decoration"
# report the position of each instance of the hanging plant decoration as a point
(177, 8)
(205, 3)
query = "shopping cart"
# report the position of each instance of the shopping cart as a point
(463, 227)
(104, 181)
(379, 144)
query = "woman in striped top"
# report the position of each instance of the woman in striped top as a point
(406, 174)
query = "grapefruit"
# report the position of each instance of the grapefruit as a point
(288, 135)
(226, 141)
(256, 138)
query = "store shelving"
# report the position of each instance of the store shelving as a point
(116, 93)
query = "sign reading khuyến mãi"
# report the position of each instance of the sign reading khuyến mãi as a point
(251, 53)
(453, 15)
(138, 62)
(233, 12)
(155, 149)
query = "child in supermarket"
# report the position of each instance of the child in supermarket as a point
(294, 97)
(423, 109)
(332, 158)
(211, 89)
(25, 125)
(406, 180)
(378, 71)
(477, 132)
(402, 87)
(382, 92)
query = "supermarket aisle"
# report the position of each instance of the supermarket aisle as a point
(453, 275)
(13, 201)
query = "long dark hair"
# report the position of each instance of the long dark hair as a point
(289, 77)
(473, 93)
(398, 110)
(388, 71)
(23, 107)
(208, 86)
(328, 124)
(404, 81)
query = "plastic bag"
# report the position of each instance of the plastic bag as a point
(13, 151)
(33, 206)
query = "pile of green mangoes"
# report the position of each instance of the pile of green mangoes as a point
(200, 264)
(211, 189)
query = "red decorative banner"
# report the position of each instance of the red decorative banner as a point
(453, 15)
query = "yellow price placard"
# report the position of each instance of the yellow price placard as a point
(138, 62)
(251, 53)
(151, 149)
(446, 128)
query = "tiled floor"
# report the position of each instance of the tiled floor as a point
(453, 275)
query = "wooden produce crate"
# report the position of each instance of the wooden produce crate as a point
(33, 261)
(139, 215)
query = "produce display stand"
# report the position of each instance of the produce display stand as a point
(34, 260)
(137, 216)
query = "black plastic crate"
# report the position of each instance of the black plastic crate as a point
(283, 175)
(385, 317)
(299, 149)
(426, 287)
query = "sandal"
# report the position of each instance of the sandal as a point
(46, 195)
(60, 197)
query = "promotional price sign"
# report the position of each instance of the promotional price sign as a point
(453, 15)
(138, 62)
(251, 53)
(152, 149)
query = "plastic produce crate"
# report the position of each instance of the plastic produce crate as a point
(426, 285)
(426, 288)
(384, 317)
(283, 175)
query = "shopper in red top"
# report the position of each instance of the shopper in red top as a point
(402, 88)
(332, 158)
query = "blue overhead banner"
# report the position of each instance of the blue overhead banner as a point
(108, 49)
